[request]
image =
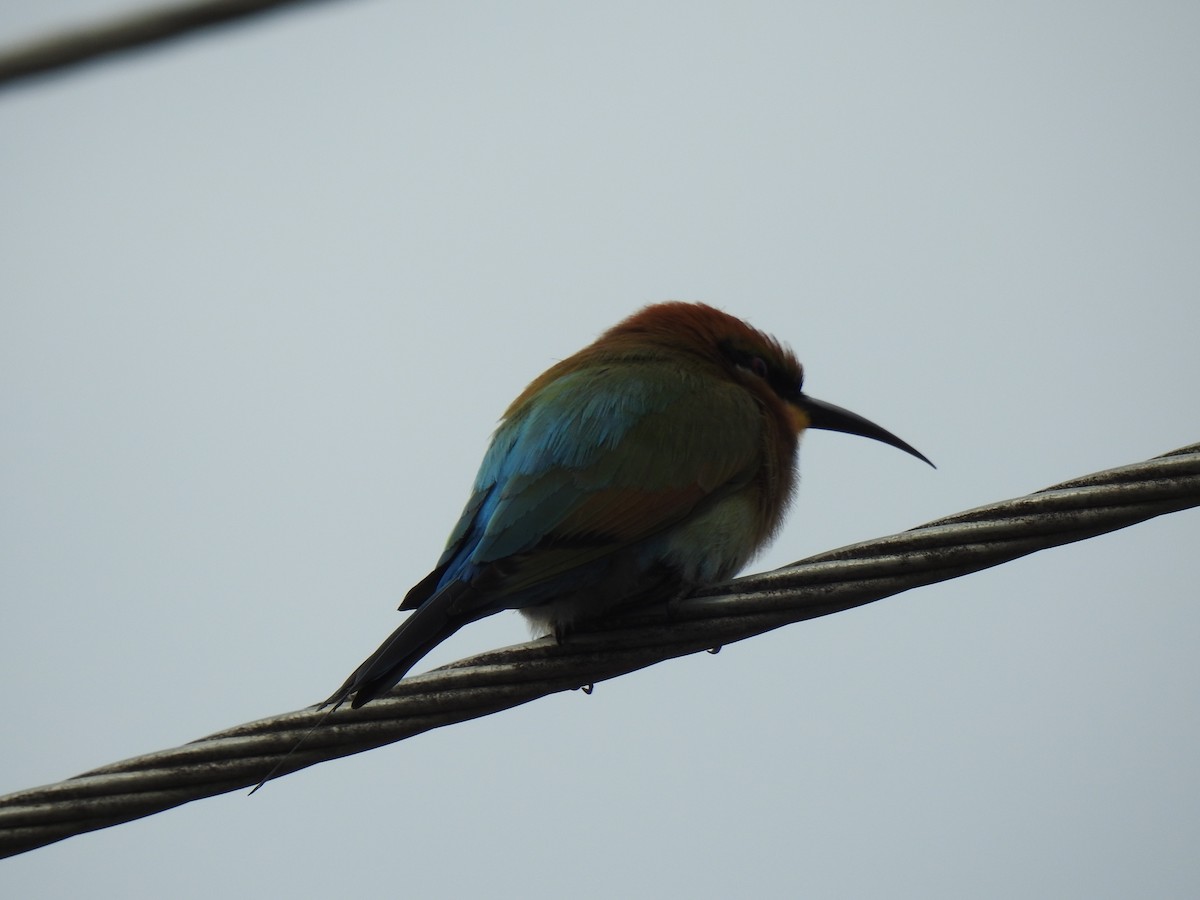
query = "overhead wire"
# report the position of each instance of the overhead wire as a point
(129, 31)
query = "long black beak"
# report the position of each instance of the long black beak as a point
(828, 417)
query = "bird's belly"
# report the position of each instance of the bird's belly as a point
(708, 547)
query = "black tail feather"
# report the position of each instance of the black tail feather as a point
(428, 625)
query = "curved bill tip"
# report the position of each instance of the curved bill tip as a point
(828, 417)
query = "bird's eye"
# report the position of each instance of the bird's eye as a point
(758, 366)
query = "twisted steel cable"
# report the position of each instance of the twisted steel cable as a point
(487, 683)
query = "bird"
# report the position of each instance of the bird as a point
(657, 460)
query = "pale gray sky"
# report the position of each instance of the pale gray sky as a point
(265, 293)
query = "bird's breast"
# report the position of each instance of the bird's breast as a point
(709, 546)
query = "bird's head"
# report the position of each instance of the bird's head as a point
(759, 362)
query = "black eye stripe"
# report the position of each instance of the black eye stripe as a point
(743, 358)
(782, 382)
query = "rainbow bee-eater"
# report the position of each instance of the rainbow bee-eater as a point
(656, 460)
